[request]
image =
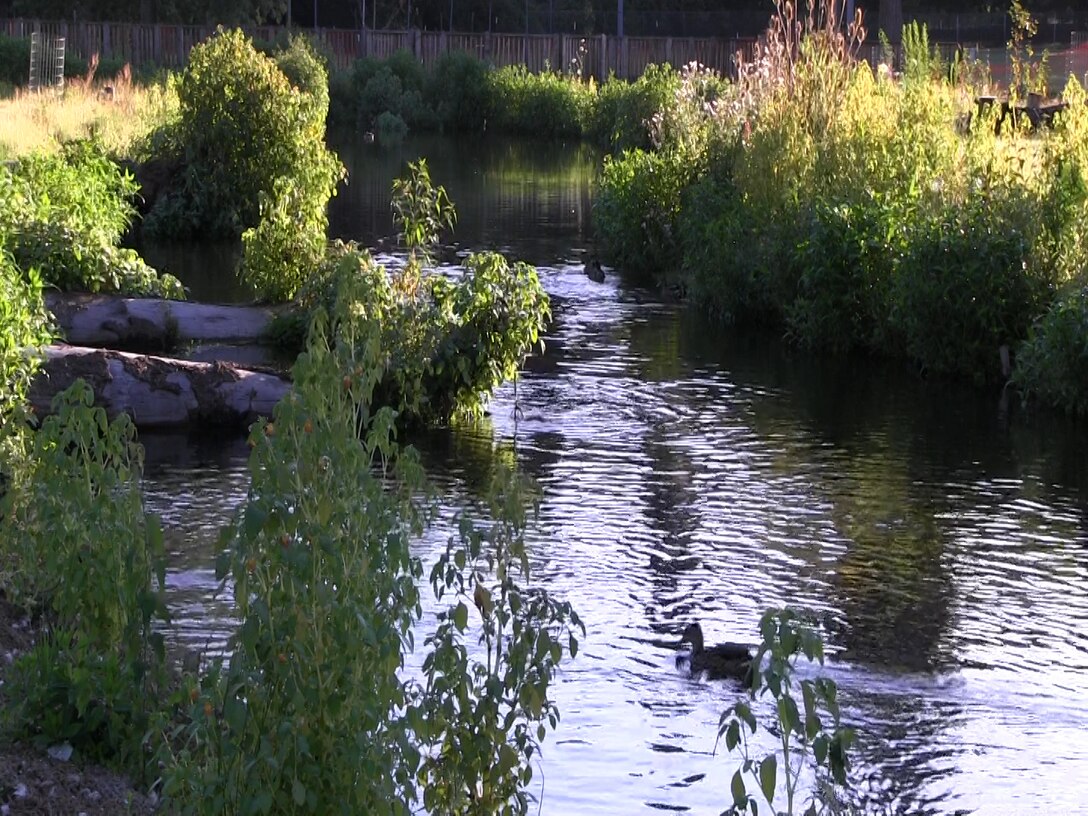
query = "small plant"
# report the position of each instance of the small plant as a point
(808, 735)
(421, 211)
(87, 555)
(25, 326)
(311, 712)
(1027, 77)
(1052, 364)
(483, 716)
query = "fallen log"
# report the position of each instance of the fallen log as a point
(151, 323)
(160, 392)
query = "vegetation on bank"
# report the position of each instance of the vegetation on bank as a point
(63, 217)
(314, 688)
(857, 209)
(463, 94)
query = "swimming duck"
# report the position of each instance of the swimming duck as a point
(593, 269)
(721, 661)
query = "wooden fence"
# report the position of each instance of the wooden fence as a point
(597, 56)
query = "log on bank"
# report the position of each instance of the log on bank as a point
(151, 323)
(160, 392)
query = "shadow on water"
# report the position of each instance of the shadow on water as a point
(936, 534)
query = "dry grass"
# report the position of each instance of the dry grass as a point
(117, 112)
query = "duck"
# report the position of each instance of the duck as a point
(593, 269)
(719, 662)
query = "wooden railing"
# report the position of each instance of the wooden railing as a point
(597, 56)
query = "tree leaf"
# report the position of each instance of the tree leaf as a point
(740, 793)
(768, 771)
(460, 616)
(298, 793)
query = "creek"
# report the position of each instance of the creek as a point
(938, 533)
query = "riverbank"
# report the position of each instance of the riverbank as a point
(32, 781)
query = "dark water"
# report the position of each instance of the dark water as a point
(939, 534)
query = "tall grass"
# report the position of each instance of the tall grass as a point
(118, 113)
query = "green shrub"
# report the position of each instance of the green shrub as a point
(280, 253)
(545, 105)
(1052, 364)
(409, 70)
(310, 713)
(391, 129)
(305, 70)
(966, 287)
(636, 212)
(243, 127)
(25, 326)
(844, 272)
(14, 60)
(64, 217)
(457, 91)
(620, 118)
(345, 90)
(385, 93)
(75, 534)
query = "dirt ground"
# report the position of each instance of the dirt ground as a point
(31, 782)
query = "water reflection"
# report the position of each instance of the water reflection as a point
(531, 200)
(939, 536)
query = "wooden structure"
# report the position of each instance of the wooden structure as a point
(597, 56)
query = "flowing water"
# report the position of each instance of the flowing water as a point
(938, 534)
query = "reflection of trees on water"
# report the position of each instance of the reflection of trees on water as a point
(530, 199)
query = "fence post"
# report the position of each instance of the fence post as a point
(603, 75)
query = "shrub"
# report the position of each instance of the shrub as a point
(311, 712)
(844, 272)
(280, 253)
(305, 70)
(385, 93)
(409, 70)
(1052, 364)
(966, 287)
(546, 105)
(75, 532)
(64, 217)
(620, 119)
(345, 91)
(242, 126)
(636, 211)
(14, 60)
(25, 326)
(458, 92)
(448, 340)
(391, 129)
